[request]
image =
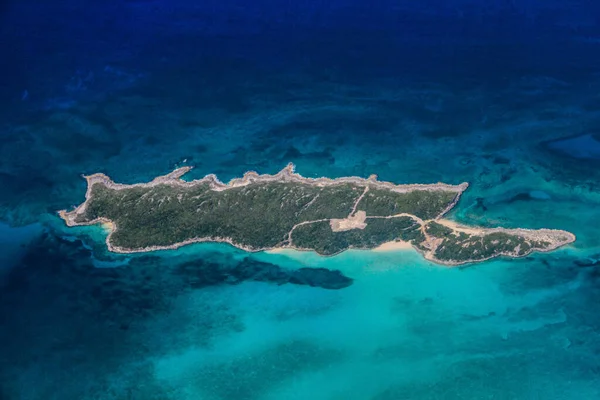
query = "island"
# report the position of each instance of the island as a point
(285, 210)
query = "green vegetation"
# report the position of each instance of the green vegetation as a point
(268, 214)
(258, 216)
(424, 204)
(438, 230)
(319, 236)
(460, 246)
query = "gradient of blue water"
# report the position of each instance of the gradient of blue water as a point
(502, 95)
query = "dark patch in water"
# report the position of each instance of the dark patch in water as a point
(53, 270)
(55, 305)
(292, 154)
(479, 204)
(581, 146)
(520, 197)
(320, 277)
(501, 161)
(506, 175)
(201, 148)
(588, 262)
(200, 274)
(443, 132)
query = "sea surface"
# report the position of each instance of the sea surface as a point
(503, 95)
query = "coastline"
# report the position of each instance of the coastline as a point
(287, 174)
(353, 221)
(384, 247)
(531, 234)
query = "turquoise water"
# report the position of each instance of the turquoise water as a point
(503, 98)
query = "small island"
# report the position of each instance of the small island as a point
(285, 210)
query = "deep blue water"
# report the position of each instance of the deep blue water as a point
(502, 94)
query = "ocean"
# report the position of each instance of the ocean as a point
(500, 94)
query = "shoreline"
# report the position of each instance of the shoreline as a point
(384, 247)
(353, 221)
(287, 174)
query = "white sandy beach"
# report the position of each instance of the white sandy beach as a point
(394, 246)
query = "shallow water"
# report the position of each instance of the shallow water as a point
(415, 94)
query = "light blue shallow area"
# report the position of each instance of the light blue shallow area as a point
(404, 330)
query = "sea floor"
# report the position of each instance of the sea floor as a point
(212, 322)
(167, 327)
